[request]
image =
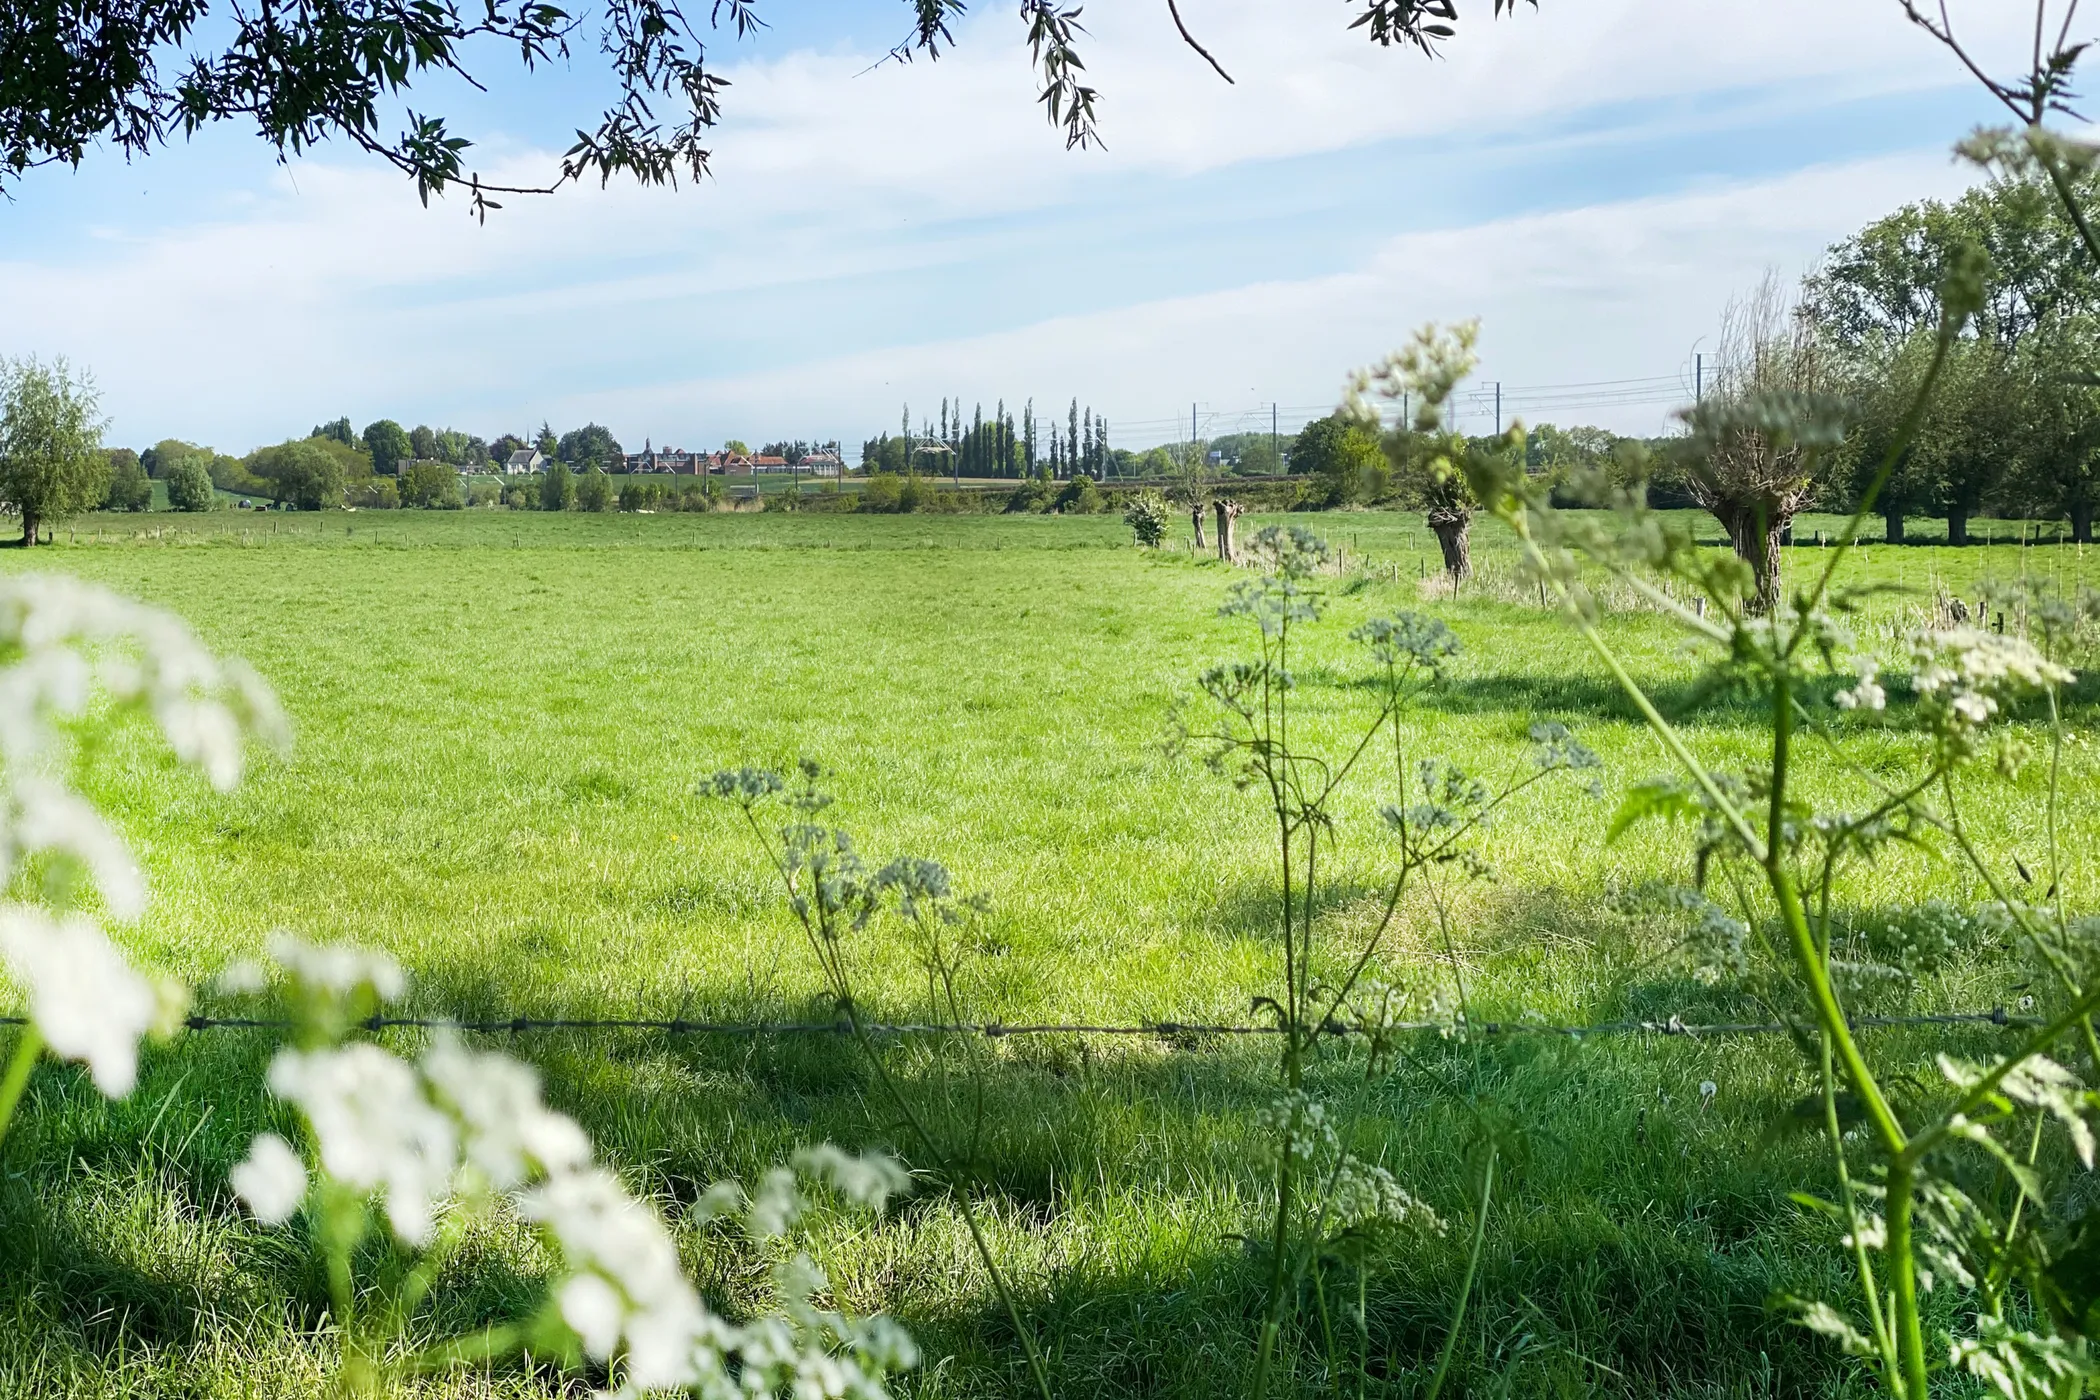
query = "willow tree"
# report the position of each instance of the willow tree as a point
(1428, 458)
(133, 75)
(1746, 467)
(51, 460)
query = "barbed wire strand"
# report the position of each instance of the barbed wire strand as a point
(998, 1030)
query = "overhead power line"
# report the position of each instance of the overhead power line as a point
(1469, 407)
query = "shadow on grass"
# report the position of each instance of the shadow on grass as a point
(1639, 1235)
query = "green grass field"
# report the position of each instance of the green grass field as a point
(500, 721)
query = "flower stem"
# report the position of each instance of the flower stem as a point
(27, 1049)
(1465, 1285)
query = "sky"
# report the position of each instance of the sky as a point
(1593, 180)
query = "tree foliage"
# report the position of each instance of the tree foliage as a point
(189, 482)
(587, 446)
(1881, 286)
(431, 486)
(129, 487)
(1345, 455)
(593, 490)
(304, 473)
(133, 75)
(51, 459)
(389, 443)
(557, 488)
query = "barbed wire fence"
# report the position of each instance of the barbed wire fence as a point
(1673, 1025)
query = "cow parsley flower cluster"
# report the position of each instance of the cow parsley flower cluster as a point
(86, 1001)
(66, 650)
(1866, 692)
(1350, 1191)
(1963, 674)
(434, 1140)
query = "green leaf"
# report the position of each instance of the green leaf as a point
(1659, 797)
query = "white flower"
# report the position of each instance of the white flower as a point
(603, 1231)
(84, 998)
(1976, 709)
(594, 1311)
(1867, 693)
(141, 656)
(1363, 1192)
(374, 1128)
(242, 978)
(45, 816)
(339, 967)
(1962, 674)
(508, 1130)
(865, 1180)
(271, 1179)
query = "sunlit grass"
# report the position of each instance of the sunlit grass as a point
(500, 722)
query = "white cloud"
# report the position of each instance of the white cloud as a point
(328, 287)
(1598, 293)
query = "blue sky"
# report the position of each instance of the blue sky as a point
(1594, 181)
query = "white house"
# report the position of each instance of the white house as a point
(524, 462)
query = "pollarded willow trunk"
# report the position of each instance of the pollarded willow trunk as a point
(2081, 522)
(30, 522)
(1227, 511)
(1892, 526)
(1765, 558)
(1755, 533)
(1453, 529)
(1957, 527)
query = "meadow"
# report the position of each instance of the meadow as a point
(500, 722)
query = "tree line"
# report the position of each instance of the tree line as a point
(999, 446)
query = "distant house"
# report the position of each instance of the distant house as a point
(763, 463)
(820, 464)
(524, 462)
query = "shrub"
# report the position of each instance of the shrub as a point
(1079, 497)
(593, 490)
(557, 488)
(189, 482)
(1029, 496)
(1146, 515)
(883, 491)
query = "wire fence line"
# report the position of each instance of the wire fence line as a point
(999, 1030)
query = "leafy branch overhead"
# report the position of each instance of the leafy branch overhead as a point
(136, 74)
